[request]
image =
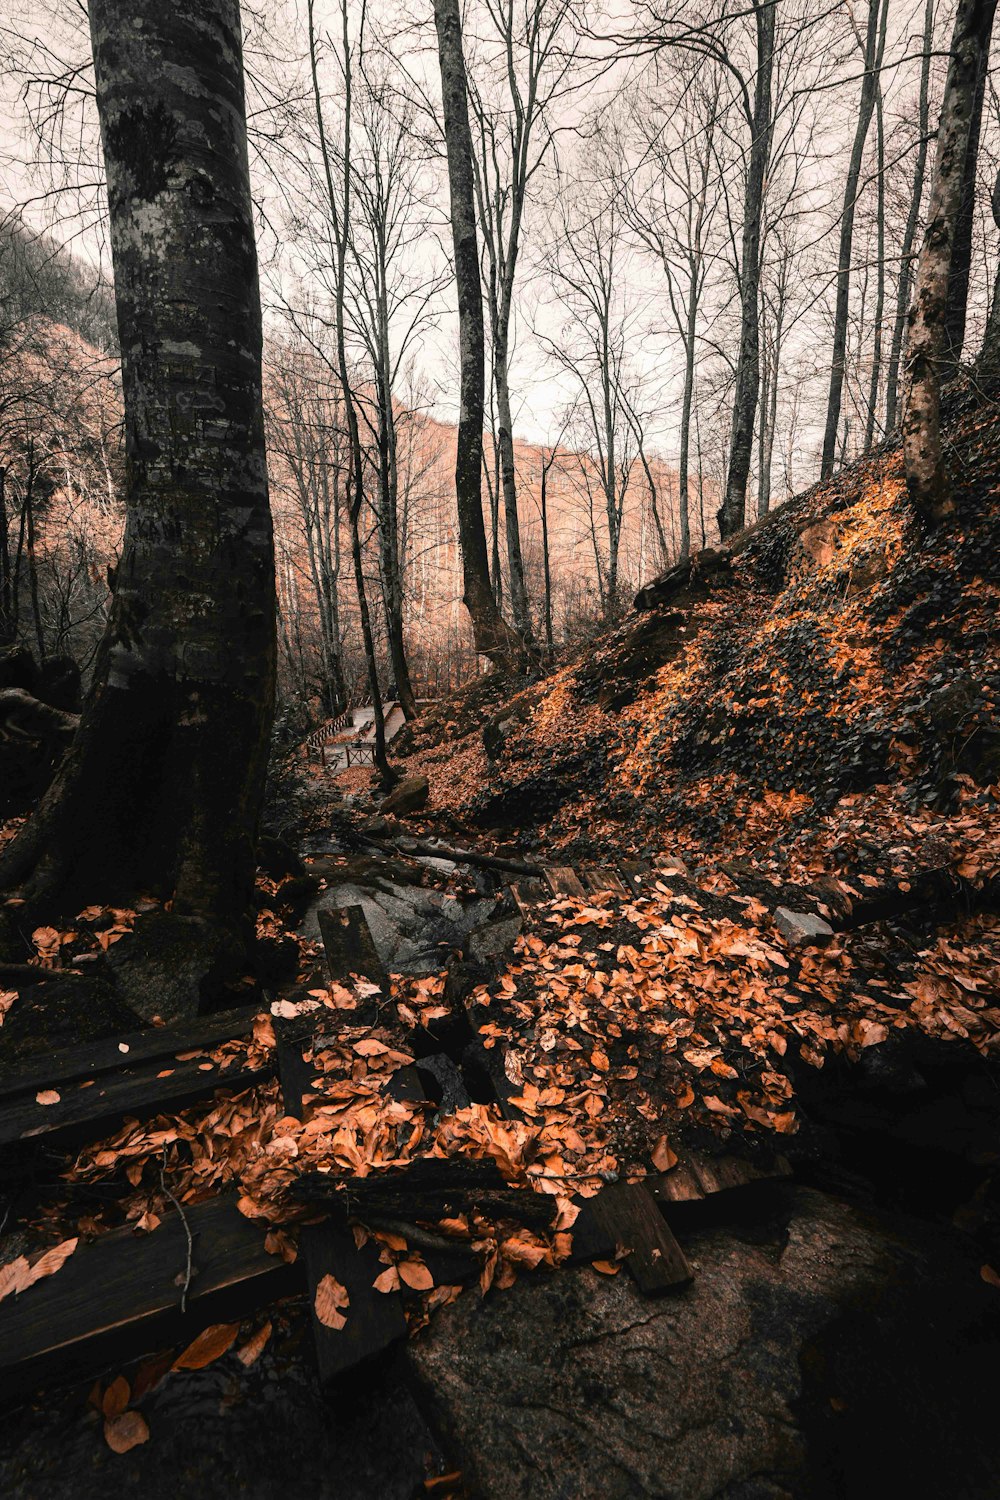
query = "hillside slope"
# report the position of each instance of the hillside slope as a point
(827, 701)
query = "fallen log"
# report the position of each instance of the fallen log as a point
(433, 850)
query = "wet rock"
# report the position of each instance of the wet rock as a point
(802, 928)
(819, 1352)
(408, 797)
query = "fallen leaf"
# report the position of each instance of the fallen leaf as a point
(607, 1267)
(47, 1096)
(210, 1345)
(663, 1157)
(416, 1275)
(116, 1397)
(249, 1353)
(388, 1281)
(125, 1431)
(991, 1277)
(331, 1298)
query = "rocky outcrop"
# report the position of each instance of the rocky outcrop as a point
(819, 1352)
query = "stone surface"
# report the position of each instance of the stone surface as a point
(820, 1352)
(408, 797)
(493, 939)
(174, 967)
(801, 927)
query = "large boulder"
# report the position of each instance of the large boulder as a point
(409, 796)
(820, 1351)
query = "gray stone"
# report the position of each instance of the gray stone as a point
(822, 1352)
(492, 939)
(802, 928)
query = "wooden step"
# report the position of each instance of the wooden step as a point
(120, 1296)
(627, 1216)
(562, 880)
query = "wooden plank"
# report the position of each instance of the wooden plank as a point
(374, 1319)
(528, 892)
(91, 1058)
(721, 1174)
(562, 880)
(120, 1296)
(80, 1111)
(629, 1214)
(636, 874)
(679, 1185)
(597, 878)
(350, 947)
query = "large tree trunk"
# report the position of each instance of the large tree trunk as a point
(162, 788)
(926, 476)
(732, 513)
(493, 639)
(961, 253)
(912, 219)
(874, 48)
(988, 365)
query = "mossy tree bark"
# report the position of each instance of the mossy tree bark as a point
(927, 350)
(162, 789)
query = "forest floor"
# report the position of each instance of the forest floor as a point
(799, 740)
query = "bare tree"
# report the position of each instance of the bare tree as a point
(905, 277)
(492, 636)
(516, 124)
(873, 50)
(926, 475)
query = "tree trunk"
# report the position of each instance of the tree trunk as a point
(874, 48)
(988, 365)
(493, 639)
(162, 788)
(508, 476)
(926, 476)
(912, 219)
(876, 370)
(961, 253)
(732, 512)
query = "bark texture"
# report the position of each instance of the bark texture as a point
(988, 365)
(492, 636)
(926, 475)
(873, 51)
(732, 513)
(162, 788)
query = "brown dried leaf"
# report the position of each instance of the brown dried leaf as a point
(663, 1157)
(388, 1281)
(47, 1096)
(125, 1431)
(416, 1275)
(249, 1353)
(116, 1397)
(210, 1345)
(331, 1297)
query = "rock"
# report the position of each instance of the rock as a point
(820, 541)
(495, 736)
(175, 967)
(819, 1352)
(802, 928)
(408, 797)
(492, 939)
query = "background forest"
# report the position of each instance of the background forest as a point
(698, 232)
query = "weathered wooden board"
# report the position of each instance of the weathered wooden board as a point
(120, 1296)
(562, 880)
(528, 892)
(636, 873)
(89, 1108)
(350, 947)
(628, 1215)
(111, 1053)
(596, 878)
